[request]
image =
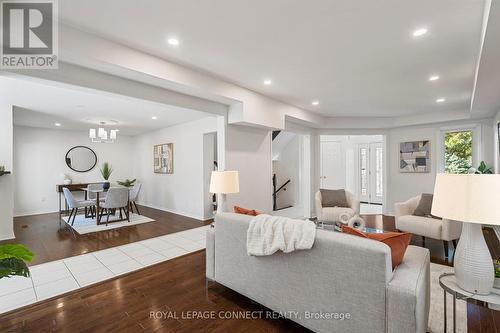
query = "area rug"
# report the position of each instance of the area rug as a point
(436, 315)
(85, 225)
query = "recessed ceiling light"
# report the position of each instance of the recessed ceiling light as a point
(57, 124)
(173, 41)
(315, 103)
(440, 100)
(434, 78)
(268, 82)
(154, 117)
(419, 32)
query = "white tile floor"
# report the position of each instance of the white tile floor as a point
(58, 277)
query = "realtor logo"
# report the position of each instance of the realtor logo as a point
(29, 34)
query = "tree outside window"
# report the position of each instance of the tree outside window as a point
(458, 152)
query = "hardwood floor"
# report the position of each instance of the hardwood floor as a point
(41, 234)
(125, 303)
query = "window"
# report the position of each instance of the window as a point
(364, 175)
(379, 155)
(458, 151)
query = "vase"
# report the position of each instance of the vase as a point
(106, 186)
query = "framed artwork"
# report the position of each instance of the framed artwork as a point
(163, 158)
(414, 157)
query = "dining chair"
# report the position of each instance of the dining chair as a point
(117, 198)
(93, 196)
(134, 193)
(75, 205)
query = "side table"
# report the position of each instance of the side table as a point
(448, 282)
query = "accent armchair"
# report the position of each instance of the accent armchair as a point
(445, 230)
(331, 214)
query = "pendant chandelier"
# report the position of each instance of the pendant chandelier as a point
(101, 134)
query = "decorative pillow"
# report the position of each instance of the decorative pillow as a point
(352, 231)
(333, 198)
(424, 207)
(397, 241)
(244, 211)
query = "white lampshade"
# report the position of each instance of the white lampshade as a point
(467, 198)
(224, 182)
(100, 132)
(92, 133)
(112, 134)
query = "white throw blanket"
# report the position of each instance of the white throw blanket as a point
(268, 234)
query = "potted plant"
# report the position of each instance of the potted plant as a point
(13, 258)
(481, 170)
(106, 172)
(497, 273)
(127, 182)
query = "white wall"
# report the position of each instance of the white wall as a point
(39, 161)
(209, 156)
(249, 152)
(402, 186)
(496, 147)
(287, 166)
(6, 182)
(183, 191)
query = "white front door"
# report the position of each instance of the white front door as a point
(371, 181)
(332, 173)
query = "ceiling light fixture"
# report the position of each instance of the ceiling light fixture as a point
(154, 117)
(434, 78)
(440, 100)
(315, 103)
(173, 41)
(101, 135)
(267, 82)
(57, 124)
(419, 32)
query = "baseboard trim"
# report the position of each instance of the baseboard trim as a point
(34, 213)
(7, 237)
(175, 212)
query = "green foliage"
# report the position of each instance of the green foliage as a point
(12, 260)
(483, 169)
(106, 170)
(458, 152)
(497, 268)
(127, 182)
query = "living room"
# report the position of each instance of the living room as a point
(378, 105)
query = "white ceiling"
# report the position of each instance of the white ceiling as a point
(39, 104)
(358, 58)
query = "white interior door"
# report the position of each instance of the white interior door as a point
(376, 173)
(332, 165)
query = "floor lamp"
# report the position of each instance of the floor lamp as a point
(474, 200)
(222, 183)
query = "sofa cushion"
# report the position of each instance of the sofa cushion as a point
(419, 225)
(397, 241)
(424, 206)
(331, 214)
(333, 198)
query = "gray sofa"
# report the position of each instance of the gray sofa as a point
(340, 274)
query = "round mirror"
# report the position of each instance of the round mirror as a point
(81, 159)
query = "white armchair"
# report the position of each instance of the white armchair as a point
(445, 230)
(331, 214)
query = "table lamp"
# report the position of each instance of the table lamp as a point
(222, 183)
(473, 200)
